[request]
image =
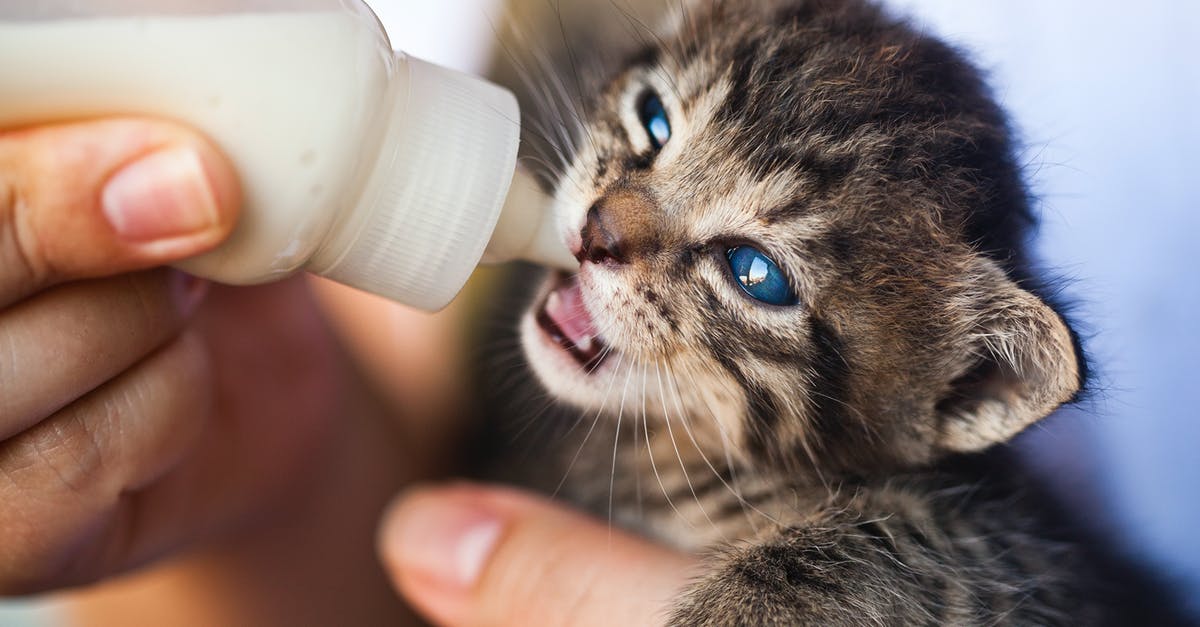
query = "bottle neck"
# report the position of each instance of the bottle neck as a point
(527, 229)
(433, 196)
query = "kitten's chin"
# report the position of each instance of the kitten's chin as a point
(564, 347)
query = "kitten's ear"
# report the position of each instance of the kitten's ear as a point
(1025, 365)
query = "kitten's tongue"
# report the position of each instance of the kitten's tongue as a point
(565, 308)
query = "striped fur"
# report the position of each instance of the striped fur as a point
(835, 458)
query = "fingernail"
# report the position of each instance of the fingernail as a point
(165, 195)
(444, 541)
(187, 290)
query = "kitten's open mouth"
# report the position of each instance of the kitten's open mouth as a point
(564, 318)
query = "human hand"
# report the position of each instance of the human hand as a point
(469, 555)
(134, 420)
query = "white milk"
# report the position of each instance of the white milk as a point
(340, 144)
(286, 96)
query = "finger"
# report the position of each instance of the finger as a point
(70, 484)
(100, 198)
(60, 345)
(473, 556)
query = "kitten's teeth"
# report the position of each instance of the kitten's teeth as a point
(567, 322)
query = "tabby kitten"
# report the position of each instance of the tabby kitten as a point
(802, 315)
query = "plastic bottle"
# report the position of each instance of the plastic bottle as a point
(358, 163)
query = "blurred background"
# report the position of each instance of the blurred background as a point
(1104, 95)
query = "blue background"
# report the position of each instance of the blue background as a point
(1107, 98)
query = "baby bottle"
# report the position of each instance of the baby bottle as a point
(358, 163)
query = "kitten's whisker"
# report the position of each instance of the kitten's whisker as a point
(543, 104)
(539, 89)
(505, 358)
(612, 480)
(557, 108)
(725, 448)
(637, 26)
(678, 399)
(682, 466)
(565, 105)
(588, 435)
(600, 359)
(536, 129)
(700, 449)
(637, 466)
(611, 380)
(511, 379)
(724, 435)
(529, 161)
(805, 445)
(653, 466)
(547, 402)
(581, 101)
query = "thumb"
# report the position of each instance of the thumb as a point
(98, 198)
(469, 555)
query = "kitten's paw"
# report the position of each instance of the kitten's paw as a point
(790, 582)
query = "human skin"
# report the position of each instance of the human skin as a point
(470, 555)
(145, 415)
(307, 557)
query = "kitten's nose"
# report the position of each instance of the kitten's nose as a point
(620, 227)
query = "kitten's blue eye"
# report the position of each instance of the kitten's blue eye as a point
(760, 277)
(654, 119)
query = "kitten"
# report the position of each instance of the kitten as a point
(803, 319)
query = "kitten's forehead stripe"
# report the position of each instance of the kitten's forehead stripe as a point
(646, 58)
(737, 101)
(841, 245)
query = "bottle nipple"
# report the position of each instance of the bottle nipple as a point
(526, 229)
